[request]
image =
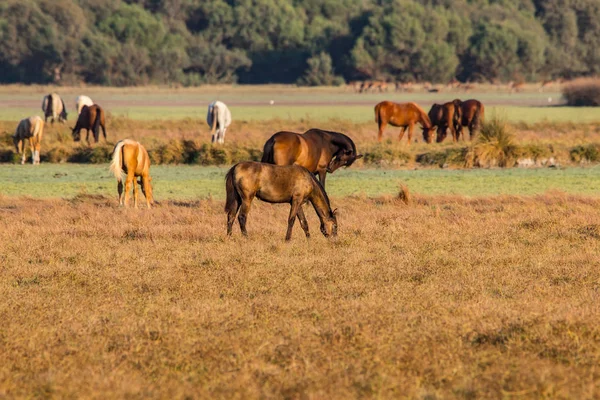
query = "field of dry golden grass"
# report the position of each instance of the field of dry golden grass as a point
(444, 297)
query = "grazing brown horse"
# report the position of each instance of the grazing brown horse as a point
(91, 117)
(443, 117)
(317, 150)
(130, 160)
(404, 115)
(31, 128)
(277, 184)
(471, 113)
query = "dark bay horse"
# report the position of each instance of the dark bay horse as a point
(444, 117)
(130, 160)
(471, 113)
(91, 117)
(277, 184)
(404, 115)
(317, 150)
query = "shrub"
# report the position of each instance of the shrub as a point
(495, 144)
(587, 153)
(582, 92)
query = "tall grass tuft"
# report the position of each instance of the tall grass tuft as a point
(404, 194)
(582, 92)
(495, 144)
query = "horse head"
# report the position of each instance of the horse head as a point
(329, 224)
(16, 141)
(76, 133)
(343, 158)
(428, 134)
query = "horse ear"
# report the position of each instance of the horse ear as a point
(334, 212)
(359, 156)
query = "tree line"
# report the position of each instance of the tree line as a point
(310, 42)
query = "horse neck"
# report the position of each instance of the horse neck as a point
(319, 201)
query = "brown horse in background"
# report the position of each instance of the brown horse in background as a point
(91, 117)
(404, 115)
(443, 117)
(277, 184)
(130, 160)
(471, 113)
(31, 129)
(317, 150)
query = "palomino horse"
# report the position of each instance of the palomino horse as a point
(53, 106)
(444, 117)
(130, 160)
(91, 117)
(404, 115)
(317, 150)
(219, 119)
(471, 113)
(81, 101)
(277, 184)
(31, 128)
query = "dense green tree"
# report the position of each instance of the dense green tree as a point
(131, 42)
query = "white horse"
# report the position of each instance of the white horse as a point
(31, 128)
(81, 101)
(53, 106)
(219, 119)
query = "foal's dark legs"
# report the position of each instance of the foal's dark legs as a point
(245, 209)
(303, 221)
(231, 218)
(292, 218)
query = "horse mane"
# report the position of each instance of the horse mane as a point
(424, 117)
(341, 139)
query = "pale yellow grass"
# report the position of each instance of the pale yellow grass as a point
(441, 298)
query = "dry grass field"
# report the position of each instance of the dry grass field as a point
(444, 297)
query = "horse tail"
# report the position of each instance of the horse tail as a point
(96, 126)
(482, 113)
(233, 199)
(63, 113)
(45, 104)
(116, 165)
(269, 152)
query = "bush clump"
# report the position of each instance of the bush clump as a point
(587, 153)
(495, 144)
(582, 92)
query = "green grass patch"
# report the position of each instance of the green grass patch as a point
(196, 182)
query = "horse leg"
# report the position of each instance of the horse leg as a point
(120, 190)
(147, 190)
(322, 176)
(245, 209)
(128, 181)
(411, 127)
(401, 134)
(292, 218)
(303, 221)
(231, 218)
(104, 131)
(23, 151)
(136, 193)
(87, 137)
(382, 126)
